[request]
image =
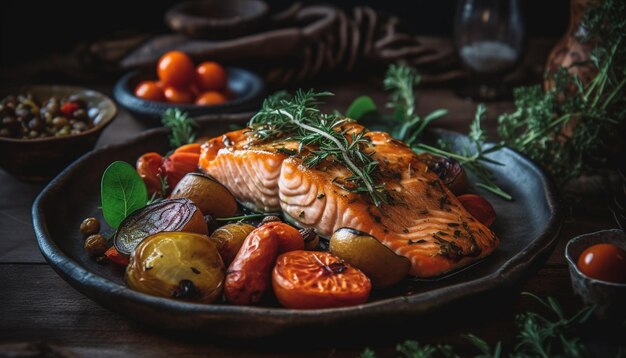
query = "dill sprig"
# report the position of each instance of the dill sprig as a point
(299, 118)
(182, 127)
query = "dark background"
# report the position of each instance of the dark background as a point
(33, 29)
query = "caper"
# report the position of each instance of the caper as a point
(36, 124)
(96, 245)
(64, 131)
(59, 122)
(24, 112)
(52, 106)
(80, 114)
(90, 226)
(80, 126)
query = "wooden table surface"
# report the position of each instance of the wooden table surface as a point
(39, 312)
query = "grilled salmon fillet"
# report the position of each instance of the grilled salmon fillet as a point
(423, 221)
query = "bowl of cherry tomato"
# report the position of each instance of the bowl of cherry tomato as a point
(198, 89)
(597, 265)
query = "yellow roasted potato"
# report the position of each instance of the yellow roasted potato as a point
(377, 261)
(229, 239)
(207, 193)
(179, 265)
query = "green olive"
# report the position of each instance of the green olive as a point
(207, 193)
(90, 226)
(95, 245)
(179, 265)
(376, 260)
(229, 239)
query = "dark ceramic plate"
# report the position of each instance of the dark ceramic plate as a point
(247, 88)
(527, 227)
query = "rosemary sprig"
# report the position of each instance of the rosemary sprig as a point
(299, 118)
(183, 127)
(246, 217)
(400, 81)
(475, 157)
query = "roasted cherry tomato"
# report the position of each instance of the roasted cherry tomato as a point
(606, 262)
(314, 279)
(150, 91)
(248, 276)
(210, 98)
(211, 76)
(479, 207)
(175, 95)
(178, 164)
(149, 169)
(176, 69)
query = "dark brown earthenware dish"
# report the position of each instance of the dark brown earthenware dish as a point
(527, 227)
(42, 158)
(216, 19)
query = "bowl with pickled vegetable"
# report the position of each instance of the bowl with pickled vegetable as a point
(44, 128)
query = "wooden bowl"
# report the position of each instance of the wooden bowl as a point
(41, 159)
(216, 19)
(247, 87)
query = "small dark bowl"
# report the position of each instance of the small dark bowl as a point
(216, 19)
(42, 158)
(248, 89)
(609, 297)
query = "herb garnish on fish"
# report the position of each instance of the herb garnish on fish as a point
(298, 118)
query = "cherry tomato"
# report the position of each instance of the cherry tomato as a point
(210, 98)
(315, 279)
(177, 165)
(175, 95)
(211, 76)
(606, 262)
(150, 91)
(479, 207)
(176, 69)
(149, 169)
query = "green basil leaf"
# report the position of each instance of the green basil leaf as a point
(122, 191)
(361, 106)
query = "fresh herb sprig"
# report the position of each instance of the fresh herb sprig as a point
(566, 127)
(300, 119)
(400, 82)
(474, 157)
(538, 336)
(408, 127)
(183, 128)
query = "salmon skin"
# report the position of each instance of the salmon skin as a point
(422, 221)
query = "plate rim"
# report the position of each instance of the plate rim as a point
(513, 271)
